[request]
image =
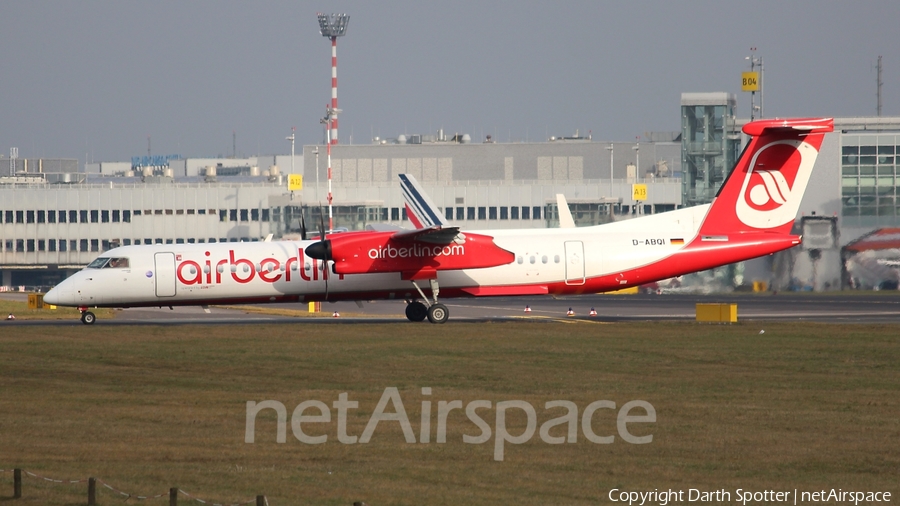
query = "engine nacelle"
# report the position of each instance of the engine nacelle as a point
(382, 252)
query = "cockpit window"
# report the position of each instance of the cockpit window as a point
(99, 263)
(109, 263)
(118, 263)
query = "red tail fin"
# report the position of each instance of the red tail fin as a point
(767, 184)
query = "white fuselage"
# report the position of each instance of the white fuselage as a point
(549, 261)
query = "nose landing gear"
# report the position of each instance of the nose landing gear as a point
(87, 317)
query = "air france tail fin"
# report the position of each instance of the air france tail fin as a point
(764, 190)
(420, 210)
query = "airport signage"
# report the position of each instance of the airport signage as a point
(638, 192)
(750, 81)
(295, 182)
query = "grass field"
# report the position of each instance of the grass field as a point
(146, 408)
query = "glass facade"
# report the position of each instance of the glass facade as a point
(869, 177)
(708, 149)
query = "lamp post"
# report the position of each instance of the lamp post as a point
(610, 149)
(637, 170)
(317, 172)
(291, 138)
(637, 154)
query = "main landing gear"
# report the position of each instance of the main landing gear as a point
(87, 317)
(435, 311)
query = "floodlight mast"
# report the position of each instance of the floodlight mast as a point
(333, 26)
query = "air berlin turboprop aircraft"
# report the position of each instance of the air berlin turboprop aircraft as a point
(751, 216)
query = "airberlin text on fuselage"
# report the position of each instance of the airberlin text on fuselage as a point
(242, 270)
(416, 250)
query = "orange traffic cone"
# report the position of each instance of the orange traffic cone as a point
(570, 312)
(336, 315)
(527, 309)
(593, 312)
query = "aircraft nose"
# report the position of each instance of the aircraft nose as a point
(60, 295)
(52, 297)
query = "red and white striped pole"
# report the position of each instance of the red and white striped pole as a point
(334, 102)
(329, 141)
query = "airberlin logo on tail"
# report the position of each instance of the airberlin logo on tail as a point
(768, 199)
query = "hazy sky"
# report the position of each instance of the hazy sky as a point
(95, 78)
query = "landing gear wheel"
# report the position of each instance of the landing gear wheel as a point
(416, 311)
(88, 318)
(438, 313)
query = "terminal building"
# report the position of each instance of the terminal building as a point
(55, 217)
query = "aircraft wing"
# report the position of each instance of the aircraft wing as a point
(436, 234)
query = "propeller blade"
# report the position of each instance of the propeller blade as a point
(302, 227)
(321, 249)
(326, 249)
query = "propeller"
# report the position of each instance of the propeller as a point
(321, 250)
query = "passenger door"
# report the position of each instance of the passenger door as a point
(574, 262)
(165, 274)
